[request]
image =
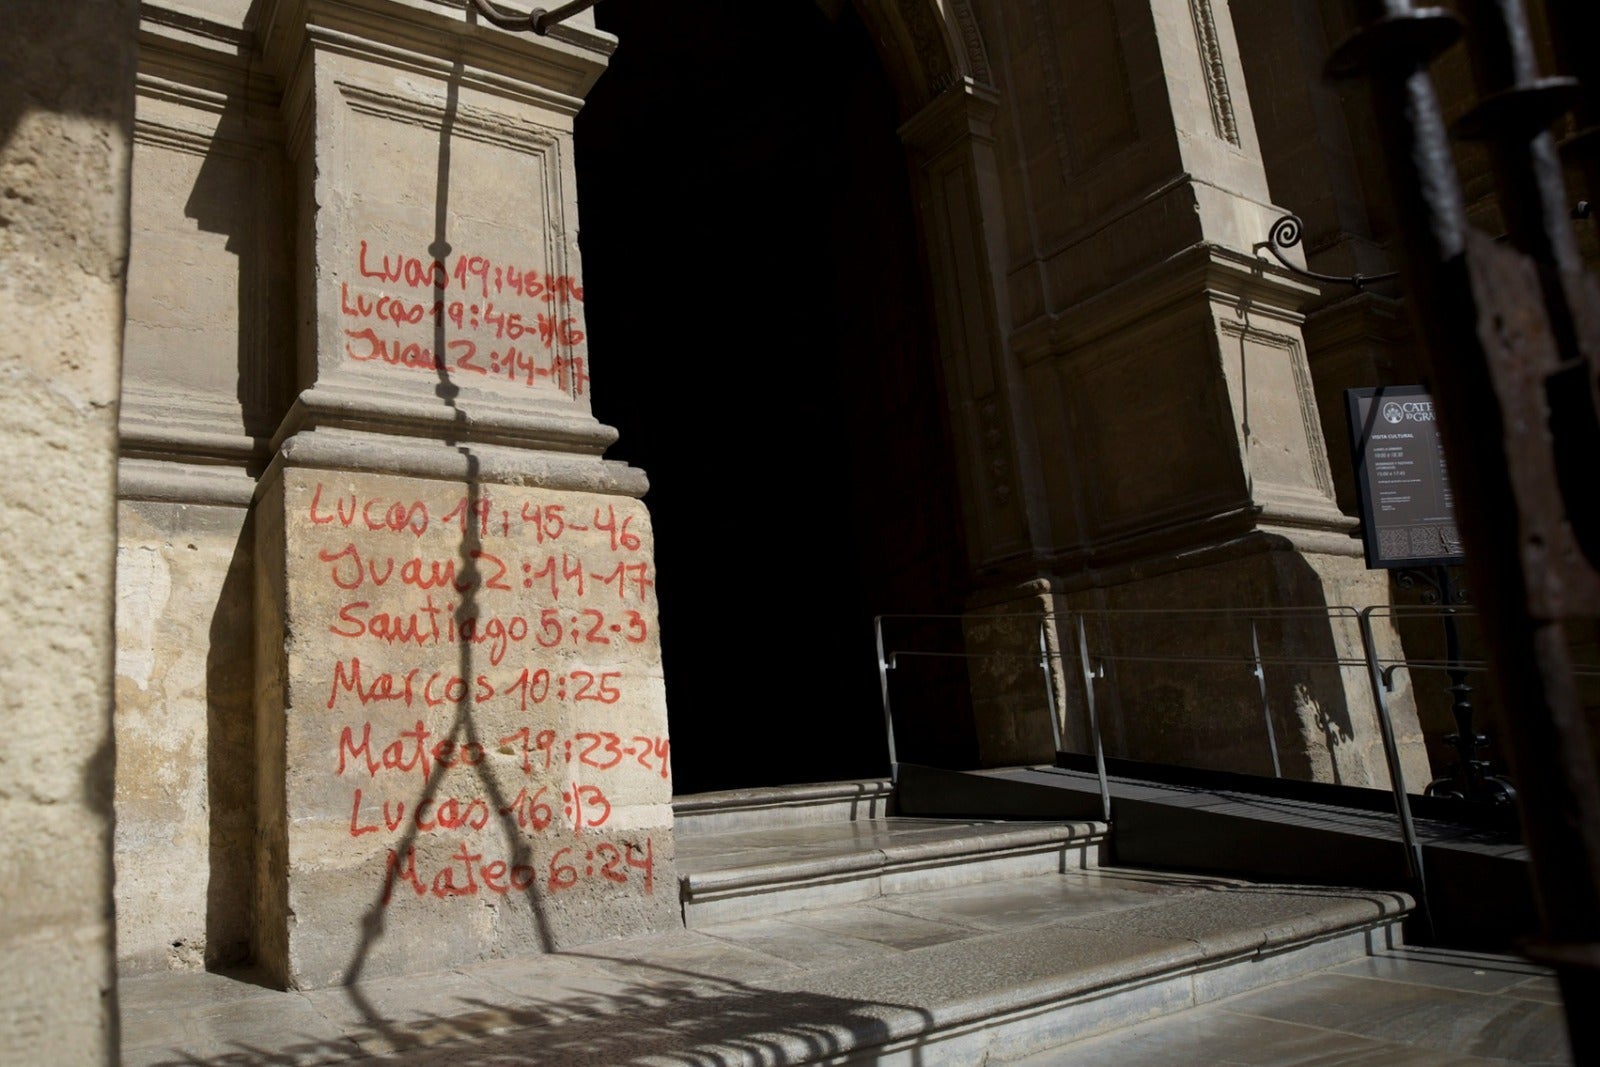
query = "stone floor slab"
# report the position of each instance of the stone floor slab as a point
(799, 944)
(1032, 901)
(881, 925)
(1472, 1024)
(1208, 1037)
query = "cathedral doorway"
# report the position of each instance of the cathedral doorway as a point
(762, 337)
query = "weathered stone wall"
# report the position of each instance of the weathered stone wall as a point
(1149, 407)
(209, 325)
(185, 726)
(467, 723)
(1179, 685)
(66, 108)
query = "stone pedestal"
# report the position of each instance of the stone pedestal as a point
(461, 724)
(463, 747)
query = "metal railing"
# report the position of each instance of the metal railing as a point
(1091, 668)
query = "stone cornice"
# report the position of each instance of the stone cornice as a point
(1200, 271)
(183, 482)
(202, 64)
(436, 38)
(470, 416)
(1359, 317)
(964, 111)
(1201, 541)
(354, 450)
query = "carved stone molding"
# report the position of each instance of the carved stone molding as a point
(1053, 91)
(972, 39)
(1214, 70)
(927, 39)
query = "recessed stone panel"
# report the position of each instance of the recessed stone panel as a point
(454, 264)
(1152, 432)
(474, 752)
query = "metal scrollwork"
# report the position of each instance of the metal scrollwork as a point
(536, 21)
(1286, 233)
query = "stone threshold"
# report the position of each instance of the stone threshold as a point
(899, 856)
(787, 805)
(988, 982)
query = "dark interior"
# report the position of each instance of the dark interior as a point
(761, 335)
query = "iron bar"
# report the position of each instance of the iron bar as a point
(1286, 233)
(1391, 754)
(1574, 27)
(1049, 685)
(1514, 115)
(1089, 676)
(543, 20)
(884, 666)
(1266, 706)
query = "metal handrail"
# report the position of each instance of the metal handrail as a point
(1093, 669)
(1380, 673)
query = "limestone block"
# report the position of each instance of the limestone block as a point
(1154, 382)
(437, 212)
(1180, 688)
(1010, 697)
(66, 108)
(208, 316)
(1274, 403)
(185, 726)
(463, 729)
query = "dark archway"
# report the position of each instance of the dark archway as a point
(761, 336)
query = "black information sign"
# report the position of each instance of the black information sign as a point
(1407, 514)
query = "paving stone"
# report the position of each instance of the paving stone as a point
(1521, 1031)
(798, 944)
(883, 925)
(688, 959)
(1236, 920)
(1471, 975)
(947, 977)
(1209, 1037)
(422, 1009)
(281, 1030)
(1031, 901)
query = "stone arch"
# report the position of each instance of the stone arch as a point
(926, 47)
(937, 62)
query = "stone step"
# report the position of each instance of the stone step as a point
(812, 936)
(1016, 993)
(1478, 891)
(1409, 1006)
(737, 874)
(774, 806)
(940, 978)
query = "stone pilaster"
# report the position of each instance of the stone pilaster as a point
(66, 117)
(1171, 407)
(461, 736)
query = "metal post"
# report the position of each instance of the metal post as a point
(1472, 780)
(1391, 753)
(1094, 719)
(1266, 707)
(1049, 684)
(884, 667)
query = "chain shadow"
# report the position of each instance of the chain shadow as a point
(662, 1016)
(463, 727)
